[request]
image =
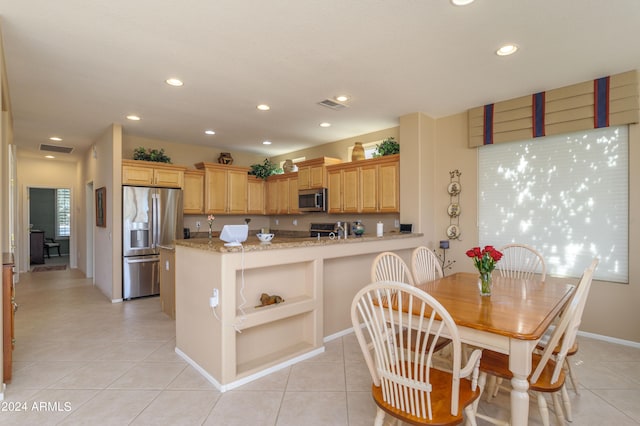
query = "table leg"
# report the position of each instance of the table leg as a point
(520, 366)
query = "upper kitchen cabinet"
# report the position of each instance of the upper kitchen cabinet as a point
(255, 195)
(367, 186)
(149, 173)
(312, 174)
(225, 188)
(193, 192)
(282, 194)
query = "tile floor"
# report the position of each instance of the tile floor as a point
(84, 360)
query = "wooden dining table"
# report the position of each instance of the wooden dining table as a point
(511, 321)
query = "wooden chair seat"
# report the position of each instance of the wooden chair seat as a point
(441, 385)
(497, 364)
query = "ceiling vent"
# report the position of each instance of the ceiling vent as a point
(56, 148)
(332, 104)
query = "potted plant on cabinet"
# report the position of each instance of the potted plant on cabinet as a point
(264, 170)
(388, 146)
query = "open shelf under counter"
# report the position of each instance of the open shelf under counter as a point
(264, 315)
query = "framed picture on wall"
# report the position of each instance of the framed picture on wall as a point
(101, 207)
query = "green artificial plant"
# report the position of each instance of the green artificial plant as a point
(264, 170)
(141, 153)
(388, 146)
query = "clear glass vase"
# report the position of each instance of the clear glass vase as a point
(484, 283)
(210, 233)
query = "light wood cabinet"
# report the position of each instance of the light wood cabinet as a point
(8, 311)
(312, 174)
(149, 173)
(367, 186)
(193, 192)
(255, 195)
(282, 194)
(168, 282)
(225, 188)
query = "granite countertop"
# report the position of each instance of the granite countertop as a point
(254, 244)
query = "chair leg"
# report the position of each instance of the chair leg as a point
(558, 407)
(572, 376)
(544, 410)
(567, 403)
(379, 417)
(58, 251)
(471, 415)
(46, 251)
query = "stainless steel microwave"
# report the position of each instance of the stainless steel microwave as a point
(312, 200)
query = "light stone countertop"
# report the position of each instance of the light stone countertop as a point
(254, 244)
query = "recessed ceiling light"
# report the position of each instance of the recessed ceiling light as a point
(507, 49)
(263, 107)
(325, 124)
(266, 143)
(174, 82)
(210, 132)
(461, 2)
(55, 138)
(133, 118)
(342, 98)
(49, 156)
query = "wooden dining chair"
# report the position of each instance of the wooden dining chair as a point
(571, 334)
(388, 266)
(521, 261)
(405, 384)
(548, 375)
(425, 265)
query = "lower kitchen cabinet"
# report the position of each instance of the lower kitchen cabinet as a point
(8, 312)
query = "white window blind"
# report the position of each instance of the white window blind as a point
(63, 212)
(565, 195)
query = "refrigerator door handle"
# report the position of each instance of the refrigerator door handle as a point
(146, 259)
(156, 220)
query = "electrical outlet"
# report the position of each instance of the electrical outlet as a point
(295, 222)
(197, 224)
(277, 222)
(213, 300)
(397, 223)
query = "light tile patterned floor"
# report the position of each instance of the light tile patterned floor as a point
(96, 362)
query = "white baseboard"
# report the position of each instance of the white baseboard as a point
(252, 377)
(338, 335)
(610, 339)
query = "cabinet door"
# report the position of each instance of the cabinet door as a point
(293, 196)
(316, 177)
(255, 195)
(137, 175)
(236, 192)
(168, 178)
(389, 184)
(334, 179)
(216, 191)
(193, 193)
(283, 196)
(271, 204)
(369, 188)
(350, 190)
(304, 177)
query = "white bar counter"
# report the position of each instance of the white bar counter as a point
(237, 342)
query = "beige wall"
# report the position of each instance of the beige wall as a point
(182, 154)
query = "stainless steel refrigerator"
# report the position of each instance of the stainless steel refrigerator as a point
(151, 217)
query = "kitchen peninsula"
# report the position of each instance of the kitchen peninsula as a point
(237, 341)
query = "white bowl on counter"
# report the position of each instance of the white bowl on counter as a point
(265, 238)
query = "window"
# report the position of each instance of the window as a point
(63, 212)
(566, 195)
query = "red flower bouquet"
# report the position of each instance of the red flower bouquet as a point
(485, 261)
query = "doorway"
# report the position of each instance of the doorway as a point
(49, 228)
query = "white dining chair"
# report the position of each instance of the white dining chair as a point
(405, 384)
(548, 374)
(521, 261)
(388, 266)
(425, 265)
